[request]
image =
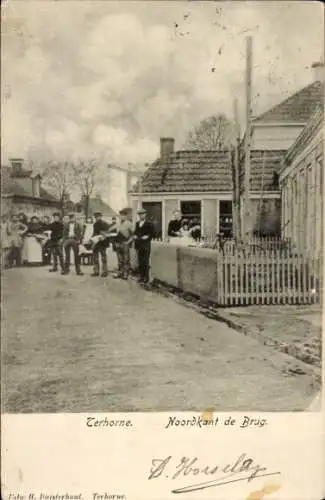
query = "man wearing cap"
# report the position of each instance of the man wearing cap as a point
(143, 234)
(56, 228)
(123, 240)
(72, 237)
(100, 244)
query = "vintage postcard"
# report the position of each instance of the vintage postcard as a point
(162, 241)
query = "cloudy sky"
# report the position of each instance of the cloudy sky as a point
(112, 77)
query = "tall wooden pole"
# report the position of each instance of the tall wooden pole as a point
(246, 207)
(237, 218)
(128, 187)
(140, 193)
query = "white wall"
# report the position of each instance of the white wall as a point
(115, 191)
(274, 137)
(303, 197)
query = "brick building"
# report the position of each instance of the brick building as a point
(21, 191)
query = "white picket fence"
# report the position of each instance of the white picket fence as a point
(265, 271)
(269, 277)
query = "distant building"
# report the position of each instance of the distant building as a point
(302, 187)
(96, 204)
(21, 191)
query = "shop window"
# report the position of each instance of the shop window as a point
(191, 210)
(154, 215)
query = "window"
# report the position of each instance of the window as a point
(320, 168)
(275, 181)
(191, 210)
(154, 214)
(225, 218)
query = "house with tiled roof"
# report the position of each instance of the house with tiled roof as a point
(199, 184)
(276, 130)
(279, 126)
(22, 191)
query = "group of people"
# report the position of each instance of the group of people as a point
(15, 230)
(182, 231)
(56, 240)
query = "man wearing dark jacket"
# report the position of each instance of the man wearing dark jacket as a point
(143, 234)
(56, 228)
(175, 225)
(73, 234)
(100, 244)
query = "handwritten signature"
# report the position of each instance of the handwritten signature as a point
(244, 468)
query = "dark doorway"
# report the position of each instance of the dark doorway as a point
(154, 214)
(225, 218)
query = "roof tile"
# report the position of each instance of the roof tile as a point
(208, 171)
(297, 108)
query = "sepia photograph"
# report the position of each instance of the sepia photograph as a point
(162, 206)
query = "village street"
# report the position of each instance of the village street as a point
(76, 344)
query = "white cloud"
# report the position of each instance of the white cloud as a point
(111, 77)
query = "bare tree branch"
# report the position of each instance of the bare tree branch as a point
(87, 177)
(58, 179)
(213, 133)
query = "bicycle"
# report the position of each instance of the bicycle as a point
(239, 244)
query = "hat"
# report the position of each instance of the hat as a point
(56, 214)
(141, 211)
(97, 213)
(123, 212)
(71, 214)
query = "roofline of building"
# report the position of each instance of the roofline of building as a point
(260, 117)
(313, 126)
(229, 192)
(278, 124)
(34, 198)
(160, 193)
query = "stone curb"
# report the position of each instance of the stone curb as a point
(267, 341)
(219, 315)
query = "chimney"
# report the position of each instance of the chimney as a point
(17, 166)
(36, 185)
(318, 71)
(166, 147)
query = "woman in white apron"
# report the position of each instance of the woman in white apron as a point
(15, 232)
(34, 241)
(85, 249)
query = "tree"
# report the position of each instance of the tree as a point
(87, 176)
(213, 133)
(58, 179)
